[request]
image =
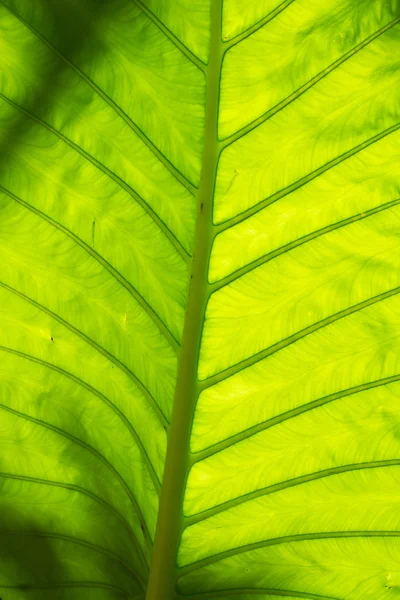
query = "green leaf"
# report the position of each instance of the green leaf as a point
(199, 299)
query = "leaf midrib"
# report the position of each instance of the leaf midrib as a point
(163, 570)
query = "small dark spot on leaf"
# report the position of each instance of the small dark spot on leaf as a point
(52, 339)
(142, 527)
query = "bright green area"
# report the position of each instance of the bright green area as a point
(199, 300)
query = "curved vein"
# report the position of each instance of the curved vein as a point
(183, 253)
(107, 355)
(106, 266)
(135, 128)
(285, 540)
(76, 380)
(91, 495)
(78, 542)
(283, 485)
(304, 88)
(290, 414)
(256, 591)
(222, 226)
(92, 451)
(255, 358)
(163, 420)
(253, 28)
(298, 242)
(172, 37)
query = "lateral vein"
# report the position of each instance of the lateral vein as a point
(79, 382)
(135, 128)
(84, 492)
(290, 414)
(172, 37)
(92, 451)
(283, 485)
(250, 30)
(111, 358)
(299, 242)
(304, 88)
(256, 592)
(78, 542)
(285, 540)
(306, 179)
(105, 264)
(183, 253)
(255, 358)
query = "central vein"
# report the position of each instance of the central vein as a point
(164, 570)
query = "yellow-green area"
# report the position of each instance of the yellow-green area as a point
(199, 299)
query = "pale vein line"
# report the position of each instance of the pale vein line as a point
(73, 378)
(283, 485)
(290, 414)
(176, 244)
(298, 242)
(306, 179)
(172, 37)
(106, 266)
(255, 358)
(256, 591)
(79, 542)
(101, 350)
(91, 495)
(92, 451)
(285, 540)
(183, 180)
(304, 88)
(253, 28)
(111, 358)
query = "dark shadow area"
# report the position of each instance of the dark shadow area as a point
(31, 555)
(34, 559)
(25, 549)
(70, 27)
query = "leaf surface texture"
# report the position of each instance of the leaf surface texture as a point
(199, 299)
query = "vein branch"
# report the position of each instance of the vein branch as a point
(172, 37)
(88, 494)
(78, 542)
(135, 128)
(99, 165)
(255, 358)
(111, 358)
(304, 88)
(283, 485)
(256, 591)
(299, 242)
(250, 30)
(306, 179)
(105, 264)
(290, 414)
(78, 382)
(75, 440)
(286, 540)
